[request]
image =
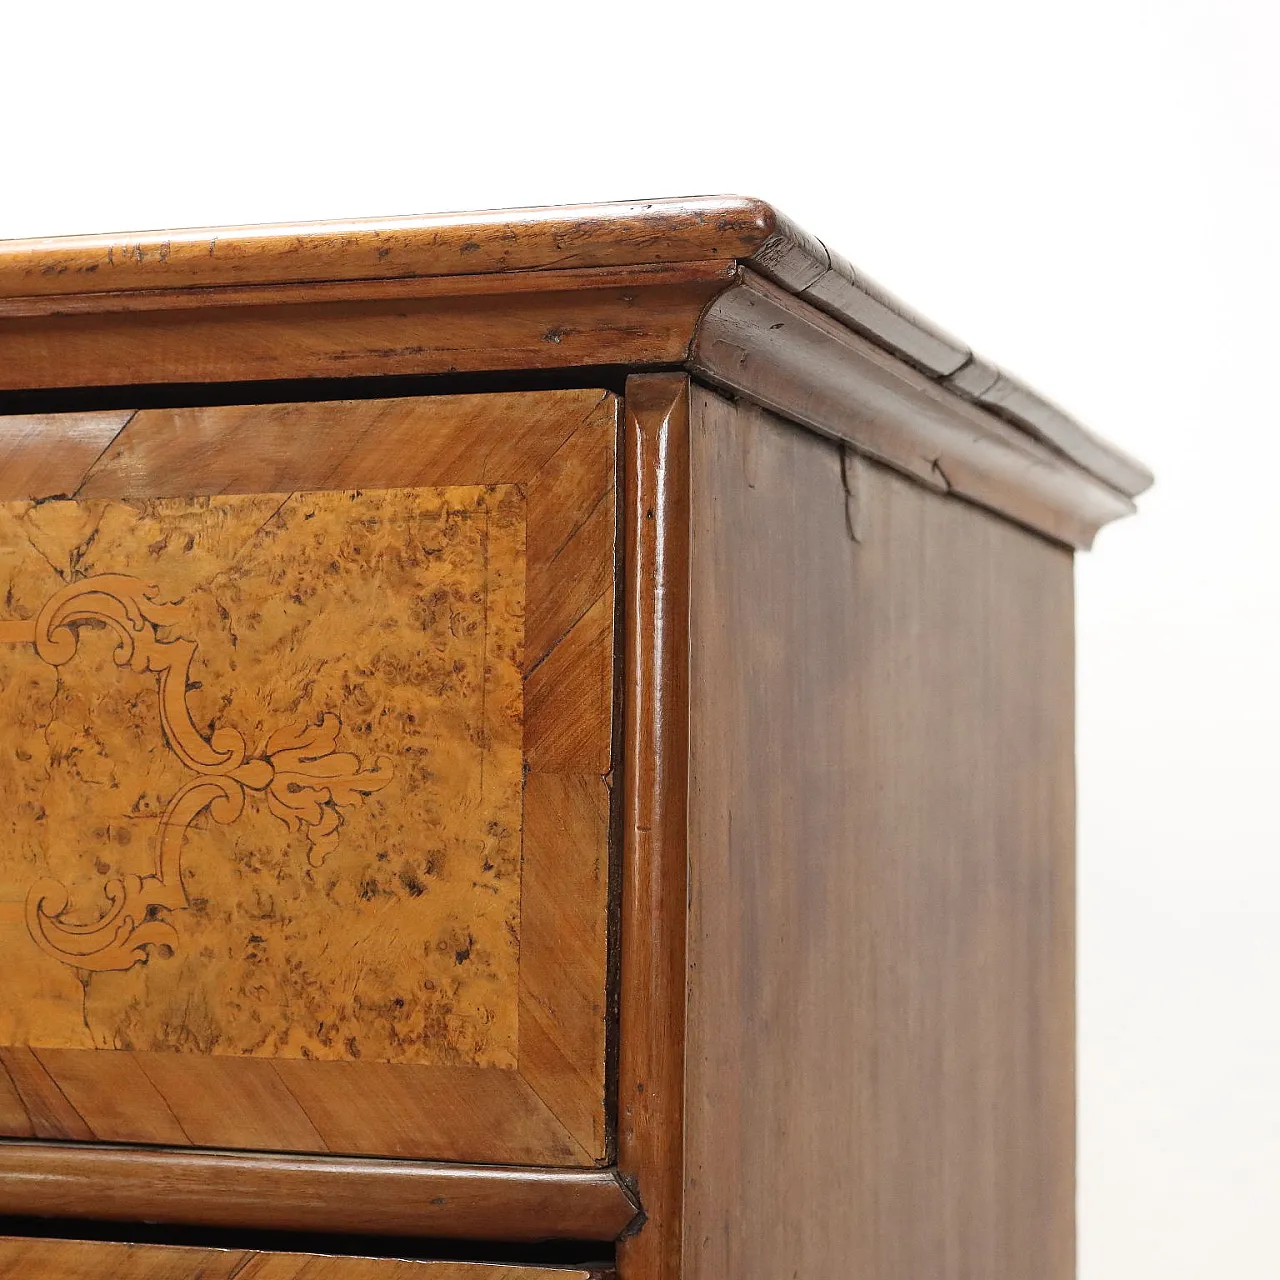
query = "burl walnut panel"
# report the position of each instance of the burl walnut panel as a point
(334, 742)
(305, 795)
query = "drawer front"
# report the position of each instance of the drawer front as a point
(305, 731)
(34, 1259)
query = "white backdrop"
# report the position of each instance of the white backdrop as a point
(1089, 193)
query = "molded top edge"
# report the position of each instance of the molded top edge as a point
(557, 237)
(625, 234)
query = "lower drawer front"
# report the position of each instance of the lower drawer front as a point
(33, 1259)
(305, 732)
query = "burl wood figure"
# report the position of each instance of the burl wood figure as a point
(533, 744)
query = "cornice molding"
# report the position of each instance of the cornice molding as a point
(640, 284)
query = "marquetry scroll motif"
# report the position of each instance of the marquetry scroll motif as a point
(261, 774)
(300, 773)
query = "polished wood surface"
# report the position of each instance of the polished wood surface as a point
(348, 887)
(35, 1259)
(1012, 399)
(848, 294)
(758, 341)
(549, 320)
(52, 452)
(805, 267)
(655, 785)
(561, 237)
(195, 608)
(311, 1193)
(880, 957)
(516, 289)
(728, 918)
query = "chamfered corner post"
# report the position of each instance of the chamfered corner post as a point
(656, 521)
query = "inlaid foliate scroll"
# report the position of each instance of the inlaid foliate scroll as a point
(261, 774)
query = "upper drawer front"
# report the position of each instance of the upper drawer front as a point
(33, 1259)
(305, 725)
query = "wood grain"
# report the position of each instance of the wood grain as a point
(36, 1105)
(857, 301)
(757, 341)
(655, 760)
(1018, 403)
(284, 1266)
(563, 1006)
(491, 1046)
(406, 442)
(499, 290)
(637, 316)
(467, 1114)
(880, 1010)
(312, 1194)
(36, 1259)
(809, 270)
(503, 240)
(805, 267)
(52, 453)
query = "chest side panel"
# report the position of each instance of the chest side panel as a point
(880, 1032)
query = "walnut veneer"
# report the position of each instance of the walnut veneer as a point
(548, 725)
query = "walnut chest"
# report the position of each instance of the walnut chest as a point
(532, 744)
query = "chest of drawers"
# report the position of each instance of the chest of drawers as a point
(549, 731)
